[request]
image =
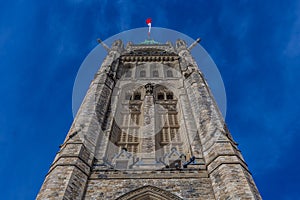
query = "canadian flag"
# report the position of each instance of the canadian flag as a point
(148, 22)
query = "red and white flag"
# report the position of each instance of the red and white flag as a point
(148, 22)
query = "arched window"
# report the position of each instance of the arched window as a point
(169, 73)
(137, 96)
(169, 95)
(143, 73)
(160, 96)
(155, 73)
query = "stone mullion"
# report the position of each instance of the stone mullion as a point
(186, 128)
(163, 135)
(168, 146)
(161, 70)
(127, 129)
(176, 119)
(168, 129)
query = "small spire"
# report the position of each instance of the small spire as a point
(194, 44)
(103, 44)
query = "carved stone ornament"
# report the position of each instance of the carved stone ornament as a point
(149, 88)
(149, 192)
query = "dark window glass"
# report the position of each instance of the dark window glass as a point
(137, 96)
(169, 96)
(169, 73)
(160, 96)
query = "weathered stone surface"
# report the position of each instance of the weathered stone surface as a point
(168, 143)
(190, 188)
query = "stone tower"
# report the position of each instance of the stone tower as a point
(148, 128)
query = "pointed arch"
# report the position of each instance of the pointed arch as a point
(149, 192)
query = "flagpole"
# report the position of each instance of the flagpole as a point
(148, 22)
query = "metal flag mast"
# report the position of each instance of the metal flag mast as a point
(148, 22)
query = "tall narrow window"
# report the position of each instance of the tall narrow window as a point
(123, 137)
(130, 138)
(177, 135)
(165, 135)
(170, 117)
(155, 73)
(176, 120)
(137, 119)
(169, 73)
(135, 133)
(142, 73)
(172, 134)
(160, 96)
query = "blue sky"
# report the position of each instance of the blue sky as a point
(255, 44)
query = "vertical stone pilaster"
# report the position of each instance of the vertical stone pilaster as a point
(148, 133)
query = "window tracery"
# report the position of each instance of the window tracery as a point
(166, 126)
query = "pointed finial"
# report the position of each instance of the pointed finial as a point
(103, 44)
(194, 44)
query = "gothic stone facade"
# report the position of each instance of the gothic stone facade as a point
(149, 128)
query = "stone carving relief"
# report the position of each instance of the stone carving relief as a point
(148, 192)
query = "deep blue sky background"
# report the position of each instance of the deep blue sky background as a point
(255, 44)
